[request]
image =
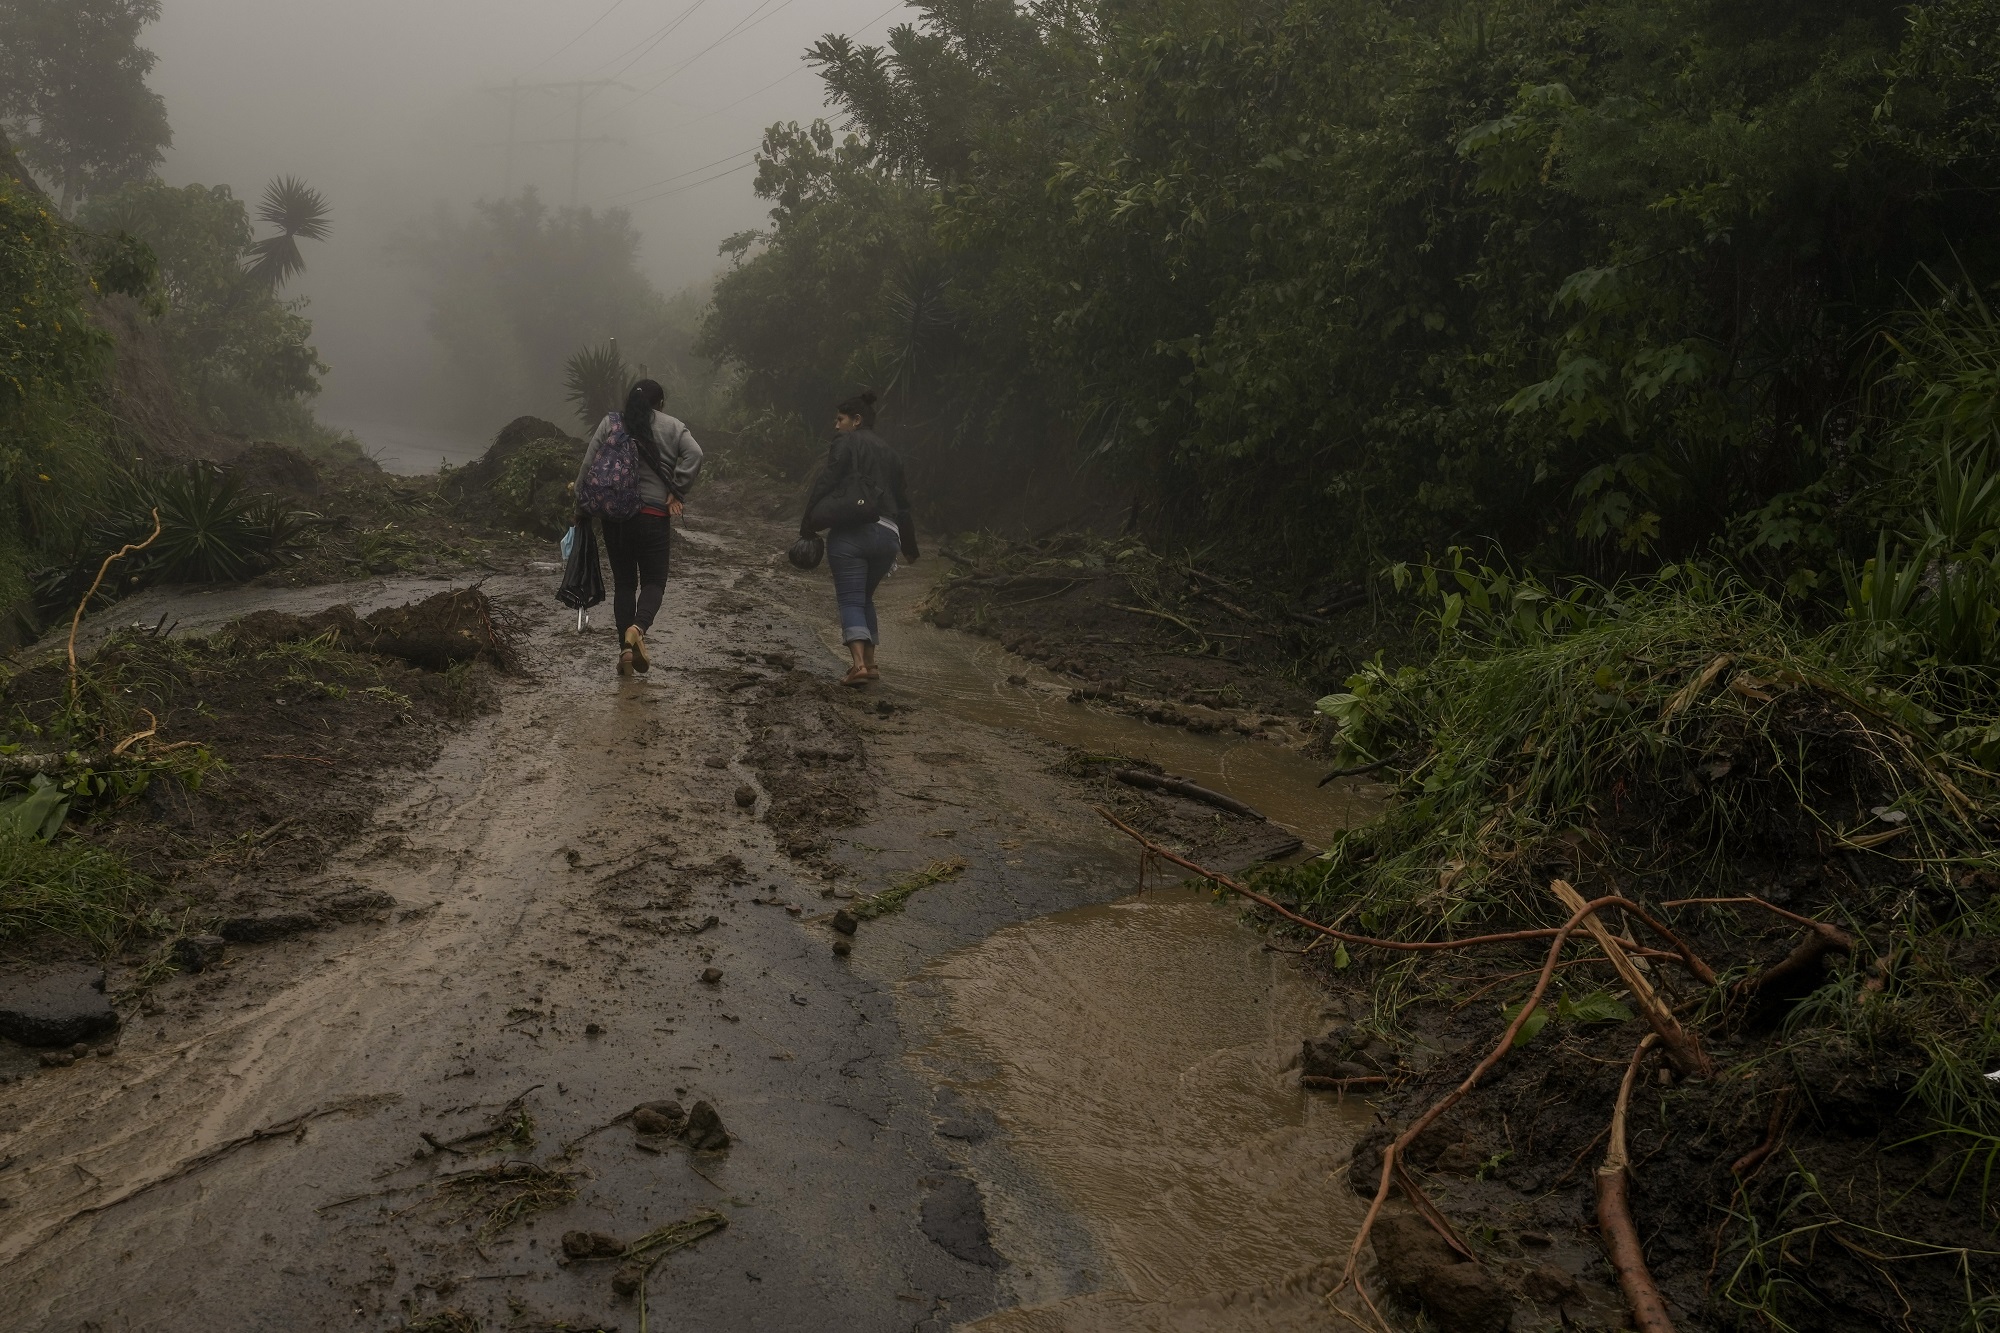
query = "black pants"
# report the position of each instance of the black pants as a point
(637, 549)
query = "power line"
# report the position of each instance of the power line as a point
(668, 180)
(691, 185)
(731, 106)
(615, 5)
(758, 15)
(654, 38)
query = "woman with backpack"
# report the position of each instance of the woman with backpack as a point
(635, 478)
(860, 498)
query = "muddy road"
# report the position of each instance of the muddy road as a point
(1026, 1100)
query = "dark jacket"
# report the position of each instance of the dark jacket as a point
(865, 452)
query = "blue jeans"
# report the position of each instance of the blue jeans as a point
(860, 557)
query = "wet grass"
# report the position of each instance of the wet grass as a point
(70, 889)
(892, 898)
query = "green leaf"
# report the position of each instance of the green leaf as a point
(1599, 1006)
(1341, 960)
(1530, 1029)
(38, 814)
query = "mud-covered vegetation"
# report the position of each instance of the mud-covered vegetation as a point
(169, 781)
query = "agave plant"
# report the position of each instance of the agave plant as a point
(297, 211)
(596, 380)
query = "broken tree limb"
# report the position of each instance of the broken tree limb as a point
(1682, 1048)
(1137, 777)
(103, 569)
(1680, 951)
(1614, 1214)
(1823, 940)
(1391, 1155)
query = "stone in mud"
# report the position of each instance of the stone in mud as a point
(711, 976)
(262, 927)
(626, 1281)
(844, 921)
(715, 761)
(1325, 1056)
(57, 1059)
(954, 1217)
(842, 948)
(659, 1118)
(746, 796)
(1548, 1284)
(704, 1131)
(57, 1007)
(350, 904)
(198, 953)
(591, 1245)
(1419, 1267)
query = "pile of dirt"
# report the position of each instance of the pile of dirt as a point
(277, 470)
(450, 629)
(297, 720)
(1151, 636)
(522, 480)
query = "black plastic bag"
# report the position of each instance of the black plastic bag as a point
(583, 576)
(806, 553)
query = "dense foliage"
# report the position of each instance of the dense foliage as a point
(1594, 279)
(238, 351)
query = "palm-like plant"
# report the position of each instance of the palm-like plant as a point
(596, 380)
(297, 211)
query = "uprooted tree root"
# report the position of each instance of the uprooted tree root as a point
(1619, 1232)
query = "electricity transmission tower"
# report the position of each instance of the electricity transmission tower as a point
(579, 94)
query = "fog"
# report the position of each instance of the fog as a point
(392, 107)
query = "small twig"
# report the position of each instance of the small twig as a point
(1614, 1214)
(152, 729)
(1323, 1084)
(1774, 1134)
(1357, 770)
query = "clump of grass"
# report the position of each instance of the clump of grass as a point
(68, 887)
(892, 898)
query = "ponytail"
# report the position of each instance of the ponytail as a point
(646, 398)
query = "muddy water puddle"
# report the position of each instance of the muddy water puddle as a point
(968, 676)
(1157, 1165)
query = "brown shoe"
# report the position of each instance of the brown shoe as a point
(635, 644)
(625, 663)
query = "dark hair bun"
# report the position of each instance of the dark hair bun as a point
(868, 397)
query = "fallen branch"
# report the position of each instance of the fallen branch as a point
(1614, 1215)
(152, 729)
(1323, 1084)
(1356, 770)
(1681, 951)
(103, 569)
(294, 1125)
(1391, 1155)
(1823, 940)
(1136, 777)
(1682, 1048)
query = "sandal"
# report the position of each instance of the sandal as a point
(855, 676)
(873, 673)
(625, 663)
(635, 644)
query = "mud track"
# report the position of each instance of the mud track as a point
(565, 874)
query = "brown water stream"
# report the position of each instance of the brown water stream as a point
(1138, 1056)
(968, 677)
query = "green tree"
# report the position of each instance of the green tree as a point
(241, 354)
(73, 92)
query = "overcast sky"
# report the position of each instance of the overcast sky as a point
(390, 106)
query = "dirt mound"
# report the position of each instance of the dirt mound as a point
(522, 480)
(437, 633)
(277, 469)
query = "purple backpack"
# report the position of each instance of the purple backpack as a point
(610, 485)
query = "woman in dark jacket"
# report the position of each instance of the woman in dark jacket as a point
(863, 471)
